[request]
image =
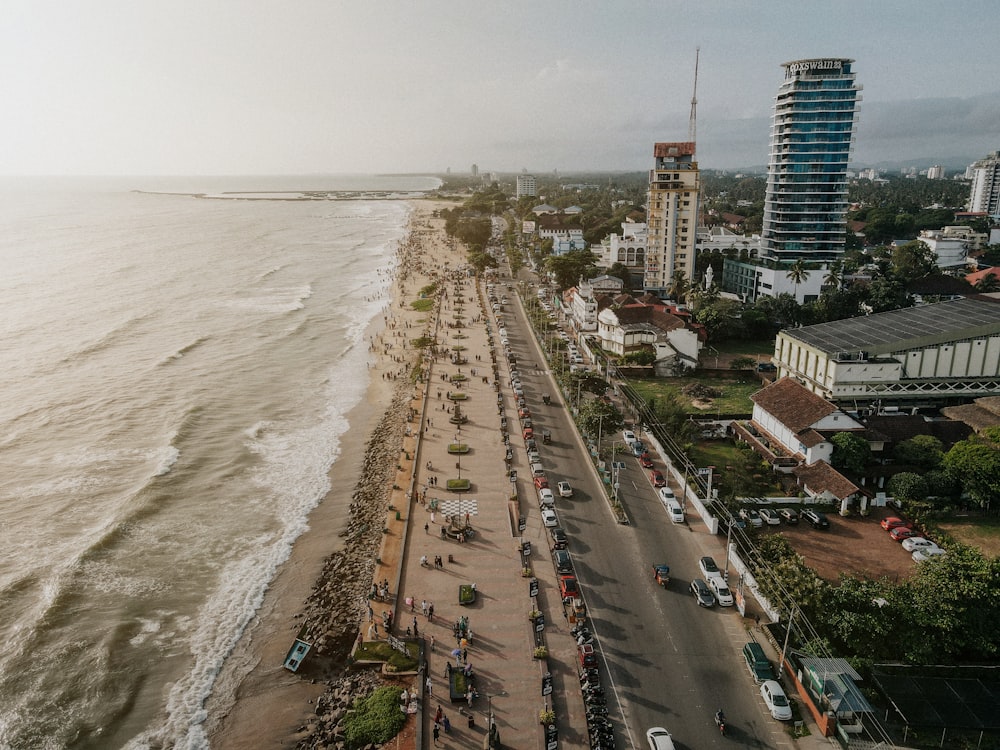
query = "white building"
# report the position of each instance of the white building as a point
(629, 328)
(671, 215)
(951, 245)
(628, 248)
(526, 185)
(984, 195)
(935, 173)
(917, 356)
(752, 279)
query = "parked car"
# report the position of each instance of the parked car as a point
(900, 533)
(927, 553)
(667, 495)
(638, 448)
(629, 437)
(546, 498)
(645, 461)
(816, 519)
(770, 517)
(674, 511)
(757, 662)
(559, 540)
(659, 739)
(917, 542)
(562, 560)
(541, 483)
(708, 567)
(564, 489)
(721, 590)
(892, 522)
(656, 477)
(702, 593)
(549, 517)
(790, 515)
(752, 517)
(776, 700)
(568, 587)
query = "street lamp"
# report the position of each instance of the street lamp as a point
(494, 733)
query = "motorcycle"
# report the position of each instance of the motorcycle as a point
(720, 721)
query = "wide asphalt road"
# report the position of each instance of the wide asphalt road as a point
(670, 662)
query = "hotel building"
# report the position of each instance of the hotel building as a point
(671, 216)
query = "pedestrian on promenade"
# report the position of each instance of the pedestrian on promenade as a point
(423, 607)
(430, 610)
(432, 642)
(430, 687)
(437, 733)
(416, 632)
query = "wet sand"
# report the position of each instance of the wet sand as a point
(322, 588)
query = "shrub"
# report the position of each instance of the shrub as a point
(375, 719)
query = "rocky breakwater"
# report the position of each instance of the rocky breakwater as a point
(326, 731)
(331, 618)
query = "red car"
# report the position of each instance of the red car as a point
(567, 587)
(892, 522)
(541, 483)
(901, 532)
(587, 656)
(657, 478)
(646, 461)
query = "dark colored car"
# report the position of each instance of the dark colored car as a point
(562, 560)
(702, 593)
(559, 540)
(816, 519)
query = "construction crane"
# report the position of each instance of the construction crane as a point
(693, 122)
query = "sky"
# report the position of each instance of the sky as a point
(216, 87)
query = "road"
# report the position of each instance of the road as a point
(670, 662)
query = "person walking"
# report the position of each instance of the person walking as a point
(430, 687)
(437, 734)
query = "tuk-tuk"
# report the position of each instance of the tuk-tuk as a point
(546, 436)
(545, 399)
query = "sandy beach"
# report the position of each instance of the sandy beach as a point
(322, 588)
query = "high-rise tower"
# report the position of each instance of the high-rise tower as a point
(671, 216)
(984, 196)
(811, 135)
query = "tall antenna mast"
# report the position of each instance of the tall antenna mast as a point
(693, 122)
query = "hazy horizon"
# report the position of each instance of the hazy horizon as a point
(335, 87)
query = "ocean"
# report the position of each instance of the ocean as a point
(175, 373)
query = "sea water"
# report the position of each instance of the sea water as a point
(175, 373)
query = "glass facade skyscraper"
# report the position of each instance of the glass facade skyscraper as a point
(811, 135)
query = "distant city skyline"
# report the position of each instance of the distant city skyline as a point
(331, 86)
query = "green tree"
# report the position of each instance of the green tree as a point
(599, 417)
(989, 283)
(721, 319)
(797, 273)
(834, 277)
(975, 463)
(851, 453)
(570, 267)
(912, 260)
(679, 286)
(907, 487)
(620, 271)
(482, 261)
(922, 451)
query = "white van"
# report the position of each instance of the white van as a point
(675, 511)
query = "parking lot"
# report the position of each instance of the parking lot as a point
(853, 544)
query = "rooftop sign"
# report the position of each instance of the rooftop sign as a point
(804, 66)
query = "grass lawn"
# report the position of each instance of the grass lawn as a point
(735, 398)
(976, 531)
(422, 305)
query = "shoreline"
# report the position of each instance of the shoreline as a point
(322, 587)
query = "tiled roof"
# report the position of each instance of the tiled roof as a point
(792, 404)
(820, 477)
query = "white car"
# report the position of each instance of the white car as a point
(917, 542)
(629, 437)
(564, 489)
(770, 516)
(721, 590)
(549, 518)
(674, 511)
(545, 497)
(927, 553)
(666, 495)
(776, 700)
(659, 739)
(708, 567)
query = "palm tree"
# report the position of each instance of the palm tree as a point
(989, 283)
(679, 286)
(834, 275)
(797, 273)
